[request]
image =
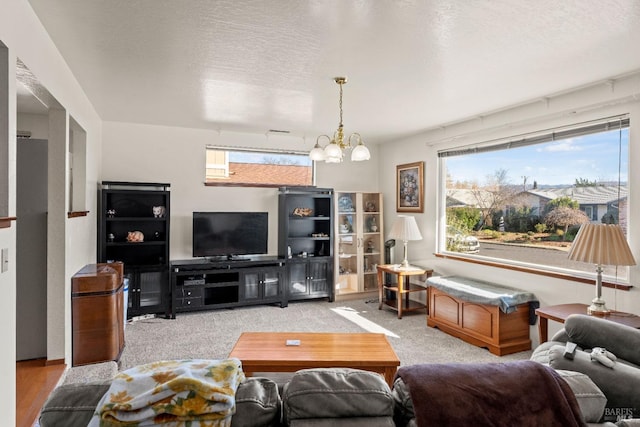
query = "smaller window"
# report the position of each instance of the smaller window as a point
(257, 168)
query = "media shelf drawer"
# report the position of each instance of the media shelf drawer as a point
(189, 302)
(191, 292)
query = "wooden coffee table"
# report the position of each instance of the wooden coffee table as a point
(560, 312)
(269, 352)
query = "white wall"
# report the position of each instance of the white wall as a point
(587, 104)
(37, 124)
(24, 36)
(147, 153)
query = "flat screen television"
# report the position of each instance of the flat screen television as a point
(230, 233)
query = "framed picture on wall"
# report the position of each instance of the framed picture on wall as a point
(410, 187)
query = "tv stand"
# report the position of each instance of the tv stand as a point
(208, 283)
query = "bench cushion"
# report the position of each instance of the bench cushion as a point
(481, 292)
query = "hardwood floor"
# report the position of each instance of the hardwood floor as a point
(34, 382)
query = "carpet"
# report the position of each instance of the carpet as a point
(212, 334)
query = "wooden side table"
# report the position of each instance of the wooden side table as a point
(559, 313)
(402, 287)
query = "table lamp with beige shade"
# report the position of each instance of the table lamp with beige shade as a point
(601, 244)
(405, 228)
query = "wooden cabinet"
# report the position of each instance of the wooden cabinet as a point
(305, 238)
(97, 313)
(480, 324)
(262, 285)
(148, 290)
(310, 278)
(133, 228)
(359, 242)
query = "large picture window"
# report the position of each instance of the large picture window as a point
(521, 201)
(257, 168)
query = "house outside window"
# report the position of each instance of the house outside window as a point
(257, 168)
(217, 164)
(508, 194)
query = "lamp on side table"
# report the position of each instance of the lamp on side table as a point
(601, 244)
(405, 229)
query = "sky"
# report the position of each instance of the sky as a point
(594, 157)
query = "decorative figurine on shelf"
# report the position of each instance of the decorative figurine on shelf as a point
(370, 246)
(158, 211)
(135, 236)
(373, 227)
(111, 237)
(302, 212)
(345, 204)
(111, 213)
(370, 207)
(346, 227)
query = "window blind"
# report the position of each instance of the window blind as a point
(585, 128)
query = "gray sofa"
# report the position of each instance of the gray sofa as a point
(620, 384)
(313, 397)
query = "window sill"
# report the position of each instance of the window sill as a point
(5, 221)
(76, 214)
(240, 184)
(537, 271)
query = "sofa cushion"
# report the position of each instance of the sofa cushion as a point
(590, 398)
(404, 414)
(73, 404)
(619, 384)
(257, 404)
(541, 353)
(591, 331)
(319, 394)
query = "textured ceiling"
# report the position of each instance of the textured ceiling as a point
(259, 65)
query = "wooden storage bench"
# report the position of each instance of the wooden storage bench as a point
(482, 313)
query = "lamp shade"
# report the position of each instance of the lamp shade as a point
(405, 228)
(333, 153)
(317, 153)
(601, 244)
(360, 153)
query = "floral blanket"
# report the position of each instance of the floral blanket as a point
(172, 393)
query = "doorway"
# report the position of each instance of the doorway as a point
(31, 249)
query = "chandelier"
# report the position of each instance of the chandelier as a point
(333, 152)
